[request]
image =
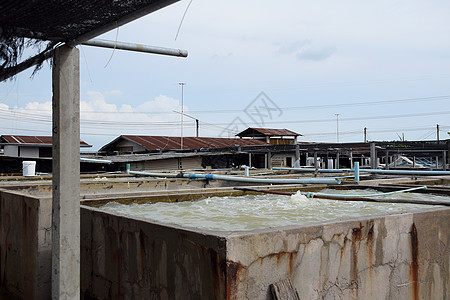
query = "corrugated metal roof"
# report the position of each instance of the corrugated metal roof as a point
(36, 140)
(249, 132)
(153, 143)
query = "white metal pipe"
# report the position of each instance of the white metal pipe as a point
(93, 160)
(135, 47)
(310, 170)
(404, 172)
(322, 180)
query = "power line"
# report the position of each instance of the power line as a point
(47, 119)
(308, 107)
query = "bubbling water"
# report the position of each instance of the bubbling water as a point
(250, 212)
(299, 198)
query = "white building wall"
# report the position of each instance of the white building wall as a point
(11, 150)
(125, 143)
(279, 160)
(29, 152)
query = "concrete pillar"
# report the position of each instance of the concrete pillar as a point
(444, 160)
(373, 156)
(297, 151)
(250, 160)
(337, 160)
(269, 160)
(316, 163)
(387, 160)
(351, 158)
(66, 175)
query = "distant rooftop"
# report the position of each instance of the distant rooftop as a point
(153, 143)
(264, 132)
(31, 140)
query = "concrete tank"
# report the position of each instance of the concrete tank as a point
(399, 256)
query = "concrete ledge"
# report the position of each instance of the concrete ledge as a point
(402, 256)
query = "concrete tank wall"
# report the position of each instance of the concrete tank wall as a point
(394, 257)
(133, 259)
(25, 245)
(403, 256)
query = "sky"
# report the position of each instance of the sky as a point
(324, 69)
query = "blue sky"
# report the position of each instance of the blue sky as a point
(383, 65)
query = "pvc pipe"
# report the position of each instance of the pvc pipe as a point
(104, 161)
(247, 171)
(171, 175)
(404, 172)
(356, 171)
(310, 170)
(312, 194)
(135, 47)
(322, 180)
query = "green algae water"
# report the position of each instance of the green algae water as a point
(266, 210)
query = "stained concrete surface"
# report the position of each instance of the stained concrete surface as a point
(388, 257)
(402, 256)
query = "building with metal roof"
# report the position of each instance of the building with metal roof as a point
(29, 146)
(271, 135)
(141, 143)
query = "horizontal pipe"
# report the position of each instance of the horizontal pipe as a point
(312, 194)
(403, 172)
(170, 175)
(346, 198)
(102, 161)
(364, 199)
(310, 170)
(323, 180)
(136, 47)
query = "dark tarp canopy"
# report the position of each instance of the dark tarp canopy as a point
(49, 22)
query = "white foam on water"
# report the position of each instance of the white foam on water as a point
(264, 211)
(299, 198)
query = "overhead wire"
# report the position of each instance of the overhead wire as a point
(290, 108)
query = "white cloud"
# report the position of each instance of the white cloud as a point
(307, 50)
(101, 121)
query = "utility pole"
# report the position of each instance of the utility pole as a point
(182, 111)
(196, 125)
(365, 134)
(337, 127)
(196, 120)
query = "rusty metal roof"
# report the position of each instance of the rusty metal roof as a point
(152, 143)
(263, 132)
(32, 140)
(68, 21)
